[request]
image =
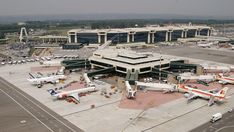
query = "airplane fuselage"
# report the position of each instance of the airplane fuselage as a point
(50, 79)
(64, 94)
(226, 80)
(201, 93)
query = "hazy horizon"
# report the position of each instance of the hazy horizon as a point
(215, 8)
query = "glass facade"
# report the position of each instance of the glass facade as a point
(141, 37)
(87, 38)
(160, 36)
(203, 32)
(102, 39)
(117, 37)
(72, 38)
(100, 63)
(175, 35)
(191, 33)
(121, 69)
(145, 69)
(138, 36)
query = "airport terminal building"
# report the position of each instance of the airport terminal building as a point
(130, 35)
(125, 61)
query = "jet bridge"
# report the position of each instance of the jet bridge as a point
(182, 66)
(156, 72)
(74, 64)
(102, 71)
(131, 77)
(68, 62)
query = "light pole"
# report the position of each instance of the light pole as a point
(85, 57)
(160, 65)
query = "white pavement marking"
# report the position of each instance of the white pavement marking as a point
(223, 128)
(38, 106)
(27, 111)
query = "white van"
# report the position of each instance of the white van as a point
(91, 85)
(216, 117)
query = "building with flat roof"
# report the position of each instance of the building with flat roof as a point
(125, 61)
(130, 35)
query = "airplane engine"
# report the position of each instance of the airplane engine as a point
(131, 94)
(222, 82)
(186, 95)
(39, 85)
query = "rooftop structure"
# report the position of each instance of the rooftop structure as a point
(128, 61)
(129, 35)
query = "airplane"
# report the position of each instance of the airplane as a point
(192, 93)
(216, 68)
(166, 88)
(225, 80)
(208, 78)
(39, 81)
(73, 93)
(206, 45)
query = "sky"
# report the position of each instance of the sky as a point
(218, 8)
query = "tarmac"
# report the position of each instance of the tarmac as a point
(226, 124)
(107, 115)
(22, 113)
(216, 55)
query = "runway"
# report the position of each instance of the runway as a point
(20, 112)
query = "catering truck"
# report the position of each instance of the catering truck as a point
(216, 117)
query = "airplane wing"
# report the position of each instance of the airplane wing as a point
(211, 101)
(191, 96)
(75, 96)
(222, 82)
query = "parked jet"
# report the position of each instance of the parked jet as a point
(39, 81)
(192, 93)
(166, 88)
(183, 77)
(216, 68)
(206, 44)
(225, 80)
(73, 93)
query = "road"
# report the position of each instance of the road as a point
(20, 112)
(226, 124)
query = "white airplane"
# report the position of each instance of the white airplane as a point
(39, 81)
(192, 93)
(183, 77)
(205, 45)
(73, 93)
(166, 88)
(225, 80)
(216, 68)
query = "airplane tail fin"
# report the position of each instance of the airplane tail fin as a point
(52, 91)
(219, 75)
(223, 92)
